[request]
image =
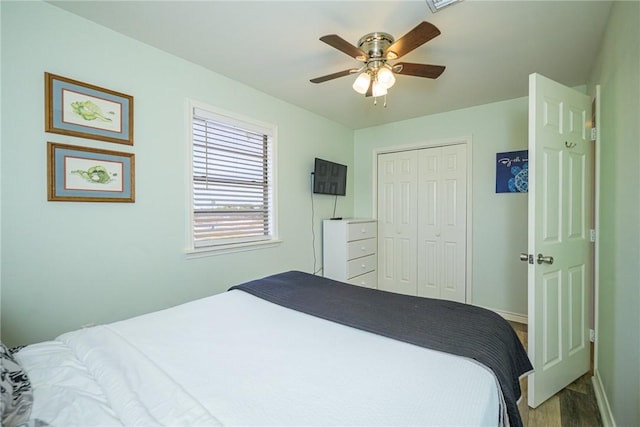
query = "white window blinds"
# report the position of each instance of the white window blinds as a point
(232, 180)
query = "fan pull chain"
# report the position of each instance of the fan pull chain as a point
(375, 101)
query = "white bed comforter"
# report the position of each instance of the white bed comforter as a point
(234, 359)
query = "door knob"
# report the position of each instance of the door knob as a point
(526, 257)
(545, 259)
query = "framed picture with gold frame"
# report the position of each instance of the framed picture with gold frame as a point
(83, 174)
(80, 109)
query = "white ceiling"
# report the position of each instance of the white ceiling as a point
(488, 47)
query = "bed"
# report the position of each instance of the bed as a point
(292, 349)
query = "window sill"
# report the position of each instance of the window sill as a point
(232, 248)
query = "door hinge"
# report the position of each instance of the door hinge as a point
(592, 235)
(594, 133)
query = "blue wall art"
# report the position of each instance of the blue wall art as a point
(512, 172)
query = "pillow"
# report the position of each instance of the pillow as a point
(16, 396)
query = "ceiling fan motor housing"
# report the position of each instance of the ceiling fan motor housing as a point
(374, 45)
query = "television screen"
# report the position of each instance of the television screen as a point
(329, 178)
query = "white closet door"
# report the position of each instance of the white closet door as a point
(442, 207)
(397, 222)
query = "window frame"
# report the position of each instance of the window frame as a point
(243, 122)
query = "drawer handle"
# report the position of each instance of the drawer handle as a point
(363, 230)
(363, 249)
(363, 266)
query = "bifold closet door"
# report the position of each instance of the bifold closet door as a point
(397, 221)
(442, 222)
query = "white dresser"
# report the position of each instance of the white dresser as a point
(349, 251)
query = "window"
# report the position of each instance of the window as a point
(233, 183)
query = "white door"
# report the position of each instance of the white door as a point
(397, 222)
(442, 222)
(559, 228)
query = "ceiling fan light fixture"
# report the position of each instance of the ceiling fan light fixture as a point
(386, 77)
(376, 75)
(361, 85)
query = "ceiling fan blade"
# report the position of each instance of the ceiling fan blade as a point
(421, 34)
(334, 75)
(419, 70)
(342, 45)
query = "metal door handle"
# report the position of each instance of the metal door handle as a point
(524, 256)
(545, 259)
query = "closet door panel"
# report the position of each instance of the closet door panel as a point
(454, 229)
(442, 222)
(397, 222)
(429, 222)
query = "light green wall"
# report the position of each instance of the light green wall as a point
(499, 220)
(68, 264)
(618, 73)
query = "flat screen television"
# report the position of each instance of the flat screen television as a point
(329, 178)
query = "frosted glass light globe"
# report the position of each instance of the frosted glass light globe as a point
(361, 85)
(386, 77)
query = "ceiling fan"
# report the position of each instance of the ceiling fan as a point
(375, 50)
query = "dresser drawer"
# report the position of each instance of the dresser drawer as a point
(360, 248)
(359, 266)
(367, 280)
(361, 230)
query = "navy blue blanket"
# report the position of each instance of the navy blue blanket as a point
(447, 326)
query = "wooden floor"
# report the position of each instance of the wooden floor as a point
(574, 406)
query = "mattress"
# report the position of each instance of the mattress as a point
(238, 360)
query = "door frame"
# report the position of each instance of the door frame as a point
(596, 226)
(467, 141)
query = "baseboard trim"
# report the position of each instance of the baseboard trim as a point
(603, 402)
(513, 317)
